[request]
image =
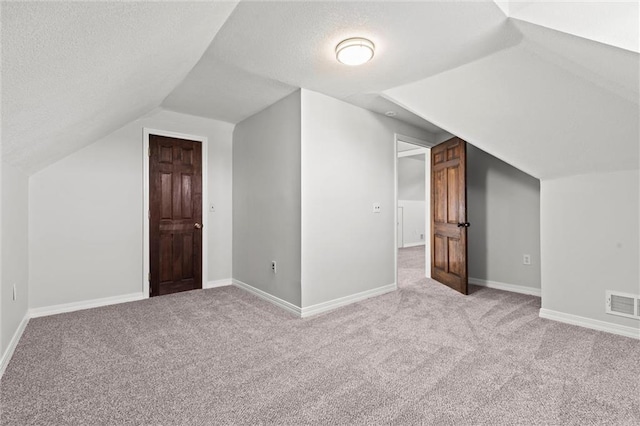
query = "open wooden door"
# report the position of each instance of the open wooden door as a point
(449, 214)
(175, 201)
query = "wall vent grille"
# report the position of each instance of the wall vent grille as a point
(623, 304)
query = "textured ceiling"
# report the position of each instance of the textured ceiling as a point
(73, 72)
(555, 105)
(614, 23)
(266, 50)
(544, 100)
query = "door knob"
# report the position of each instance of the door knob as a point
(464, 225)
(197, 225)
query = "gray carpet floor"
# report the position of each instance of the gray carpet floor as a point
(421, 355)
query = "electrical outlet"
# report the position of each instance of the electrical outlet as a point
(422, 236)
(376, 207)
(273, 266)
(526, 259)
(15, 293)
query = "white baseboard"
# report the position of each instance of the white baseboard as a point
(218, 283)
(506, 287)
(8, 353)
(85, 304)
(593, 324)
(346, 300)
(413, 244)
(268, 297)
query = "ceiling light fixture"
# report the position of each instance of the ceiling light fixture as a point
(390, 113)
(354, 51)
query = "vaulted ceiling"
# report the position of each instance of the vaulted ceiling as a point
(72, 72)
(543, 87)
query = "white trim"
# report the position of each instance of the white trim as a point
(593, 324)
(346, 300)
(8, 353)
(412, 152)
(218, 283)
(85, 304)
(427, 197)
(412, 140)
(290, 307)
(409, 245)
(205, 201)
(514, 288)
(395, 211)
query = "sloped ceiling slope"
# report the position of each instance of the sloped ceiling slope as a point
(73, 72)
(268, 49)
(554, 105)
(614, 23)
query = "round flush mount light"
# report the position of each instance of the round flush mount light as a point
(355, 51)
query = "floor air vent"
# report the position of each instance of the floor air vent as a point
(623, 304)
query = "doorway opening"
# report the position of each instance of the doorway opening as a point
(413, 200)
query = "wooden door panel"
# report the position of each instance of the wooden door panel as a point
(175, 201)
(454, 261)
(448, 206)
(439, 192)
(176, 196)
(186, 200)
(177, 258)
(166, 154)
(166, 254)
(166, 184)
(187, 256)
(440, 252)
(452, 195)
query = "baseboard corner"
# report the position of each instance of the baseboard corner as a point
(287, 306)
(84, 304)
(346, 300)
(217, 283)
(514, 288)
(8, 353)
(409, 245)
(593, 324)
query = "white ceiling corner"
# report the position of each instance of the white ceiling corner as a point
(531, 113)
(266, 50)
(503, 5)
(73, 72)
(614, 23)
(562, 77)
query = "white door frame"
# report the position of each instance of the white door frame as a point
(398, 221)
(145, 211)
(426, 150)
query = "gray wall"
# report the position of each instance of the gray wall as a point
(411, 178)
(15, 207)
(590, 239)
(267, 200)
(348, 163)
(503, 206)
(85, 214)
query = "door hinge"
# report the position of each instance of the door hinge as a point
(149, 276)
(149, 214)
(149, 151)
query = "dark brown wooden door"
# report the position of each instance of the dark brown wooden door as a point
(175, 176)
(449, 214)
